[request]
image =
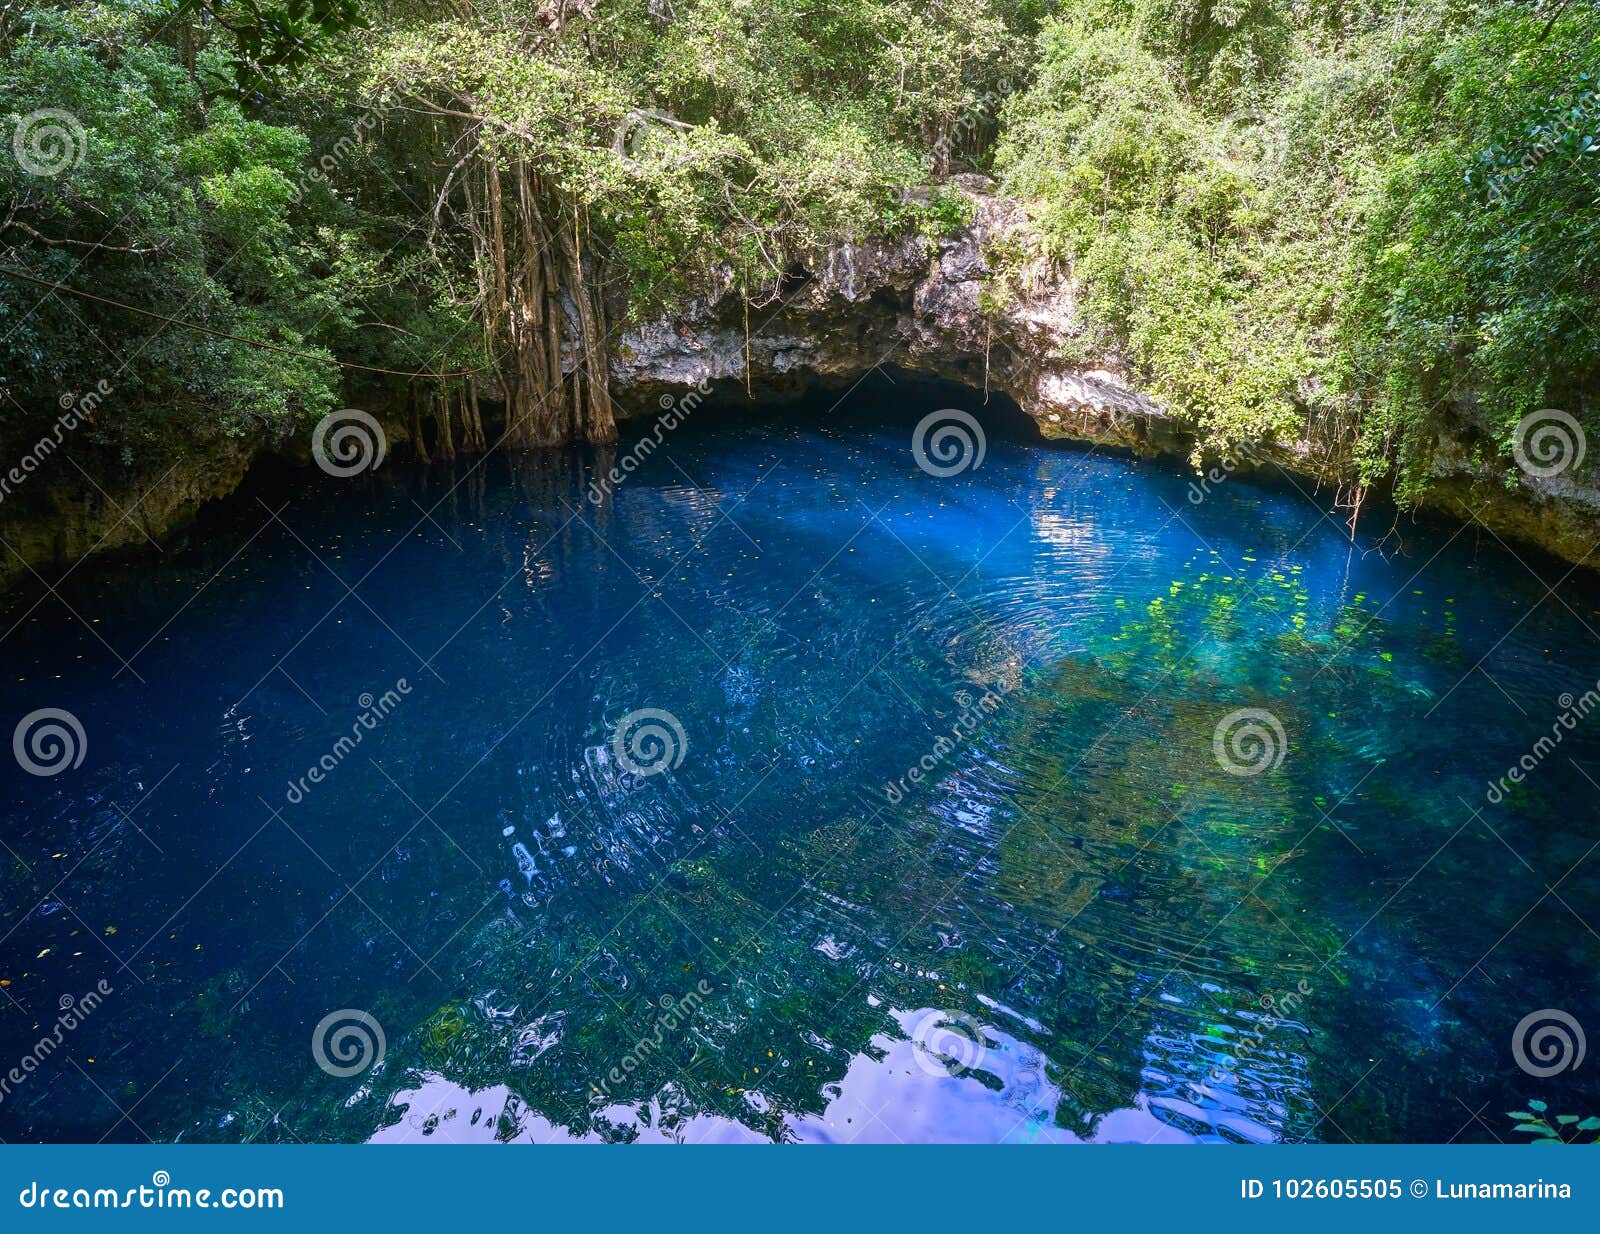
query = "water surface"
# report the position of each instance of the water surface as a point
(1074, 922)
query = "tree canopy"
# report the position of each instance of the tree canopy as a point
(1358, 215)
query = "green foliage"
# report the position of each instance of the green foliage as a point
(1330, 209)
(268, 41)
(135, 202)
(205, 211)
(1562, 1129)
(1134, 192)
(1358, 214)
(728, 134)
(290, 173)
(1479, 268)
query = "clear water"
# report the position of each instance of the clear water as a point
(1078, 925)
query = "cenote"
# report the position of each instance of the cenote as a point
(938, 841)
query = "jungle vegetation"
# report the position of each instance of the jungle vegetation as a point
(1355, 217)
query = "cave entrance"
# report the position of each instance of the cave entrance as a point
(879, 397)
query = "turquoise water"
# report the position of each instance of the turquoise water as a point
(1074, 921)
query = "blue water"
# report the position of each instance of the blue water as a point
(1073, 922)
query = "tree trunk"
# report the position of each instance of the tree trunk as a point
(445, 442)
(417, 442)
(471, 425)
(591, 386)
(528, 243)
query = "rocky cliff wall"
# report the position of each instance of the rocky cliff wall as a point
(919, 305)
